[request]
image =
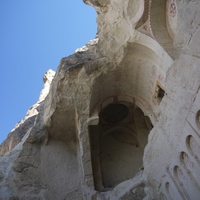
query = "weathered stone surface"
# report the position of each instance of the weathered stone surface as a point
(125, 106)
(22, 127)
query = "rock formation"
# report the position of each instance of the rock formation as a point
(122, 116)
(22, 127)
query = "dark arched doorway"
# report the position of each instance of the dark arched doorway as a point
(117, 144)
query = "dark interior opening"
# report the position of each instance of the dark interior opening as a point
(117, 144)
(198, 119)
(159, 93)
(115, 112)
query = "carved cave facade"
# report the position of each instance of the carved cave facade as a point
(107, 120)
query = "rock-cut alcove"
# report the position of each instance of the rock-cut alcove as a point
(118, 127)
(121, 100)
(117, 144)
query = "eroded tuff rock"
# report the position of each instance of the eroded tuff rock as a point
(121, 120)
(22, 127)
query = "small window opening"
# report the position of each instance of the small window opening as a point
(159, 93)
(115, 112)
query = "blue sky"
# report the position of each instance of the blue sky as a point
(34, 36)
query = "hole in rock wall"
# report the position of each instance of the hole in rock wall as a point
(159, 93)
(193, 147)
(198, 119)
(167, 188)
(117, 144)
(114, 112)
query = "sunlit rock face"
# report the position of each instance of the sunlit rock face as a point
(122, 116)
(22, 127)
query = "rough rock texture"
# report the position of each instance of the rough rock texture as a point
(125, 106)
(22, 127)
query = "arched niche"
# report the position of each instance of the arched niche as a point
(117, 144)
(132, 86)
(120, 156)
(138, 77)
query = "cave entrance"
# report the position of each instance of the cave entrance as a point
(117, 144)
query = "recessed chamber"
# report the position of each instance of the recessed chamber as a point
(117, 144)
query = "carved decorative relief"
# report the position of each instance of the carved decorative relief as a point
(144, 25)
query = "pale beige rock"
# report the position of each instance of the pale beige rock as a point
(21, 128)
(121, 120)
